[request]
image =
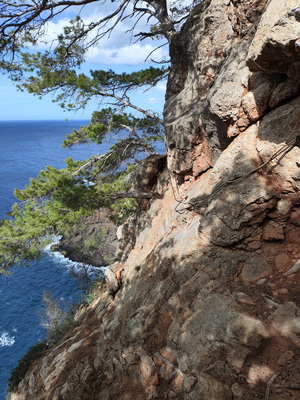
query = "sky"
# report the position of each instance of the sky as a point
(117, 52)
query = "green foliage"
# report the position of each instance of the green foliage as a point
(66, 55)
(57, 321)
(122, 209)
(110, 120)
(55, 318)
(57, 200)
(89, 298)
(55, 203)
(97, 287)
(25, 23)
(49, 73)
(111, 80)
(19, 372)
(51, 204)
(22, 237)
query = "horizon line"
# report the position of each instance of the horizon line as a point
(45, 119)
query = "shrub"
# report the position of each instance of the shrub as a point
(55, 318)
(57, 321)
(18, 373)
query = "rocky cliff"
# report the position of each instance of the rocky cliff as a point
(204, 303)
(95, 243)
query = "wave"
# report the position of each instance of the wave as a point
(6, 340)
(74, 266)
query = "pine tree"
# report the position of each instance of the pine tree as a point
(58, 199)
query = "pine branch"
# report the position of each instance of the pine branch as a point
(131, 195)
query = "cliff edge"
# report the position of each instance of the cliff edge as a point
(204, 302)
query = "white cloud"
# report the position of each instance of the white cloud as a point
(161, 86)
(132, 54)
(117, 47)
(154, 100)
(52, 29)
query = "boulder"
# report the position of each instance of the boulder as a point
(276, 44)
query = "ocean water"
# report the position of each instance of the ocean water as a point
(26, 147)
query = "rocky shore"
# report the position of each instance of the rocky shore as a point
(95, 243)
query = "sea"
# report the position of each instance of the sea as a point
(26, 147)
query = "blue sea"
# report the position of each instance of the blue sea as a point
(26, 147)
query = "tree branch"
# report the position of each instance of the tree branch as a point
(132, 195)
(129, 104)
(148, 148)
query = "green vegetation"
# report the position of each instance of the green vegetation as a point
(56, 318)
(58, 200)
(24, 23)
(96, 287)
(18, 373)
(57, 321)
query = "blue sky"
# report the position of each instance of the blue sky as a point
(16, 105)
(117, 52)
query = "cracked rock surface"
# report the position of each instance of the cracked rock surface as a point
(207, 307)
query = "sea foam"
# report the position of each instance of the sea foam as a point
(69, 264)
(6, 340)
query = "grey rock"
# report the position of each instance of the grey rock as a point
(111, 281)
(200, 262)
(275, 45)
(95, 243)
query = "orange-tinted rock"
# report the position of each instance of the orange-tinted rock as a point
(283, 261)
(273, 231)
(197, 313)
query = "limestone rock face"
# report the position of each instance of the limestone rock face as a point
(204, 303)
(207, 82)
(276, 45)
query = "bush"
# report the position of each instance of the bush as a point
(18, 373)
(57, 321)
(56, 318)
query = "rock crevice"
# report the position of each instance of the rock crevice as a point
(207, 302)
